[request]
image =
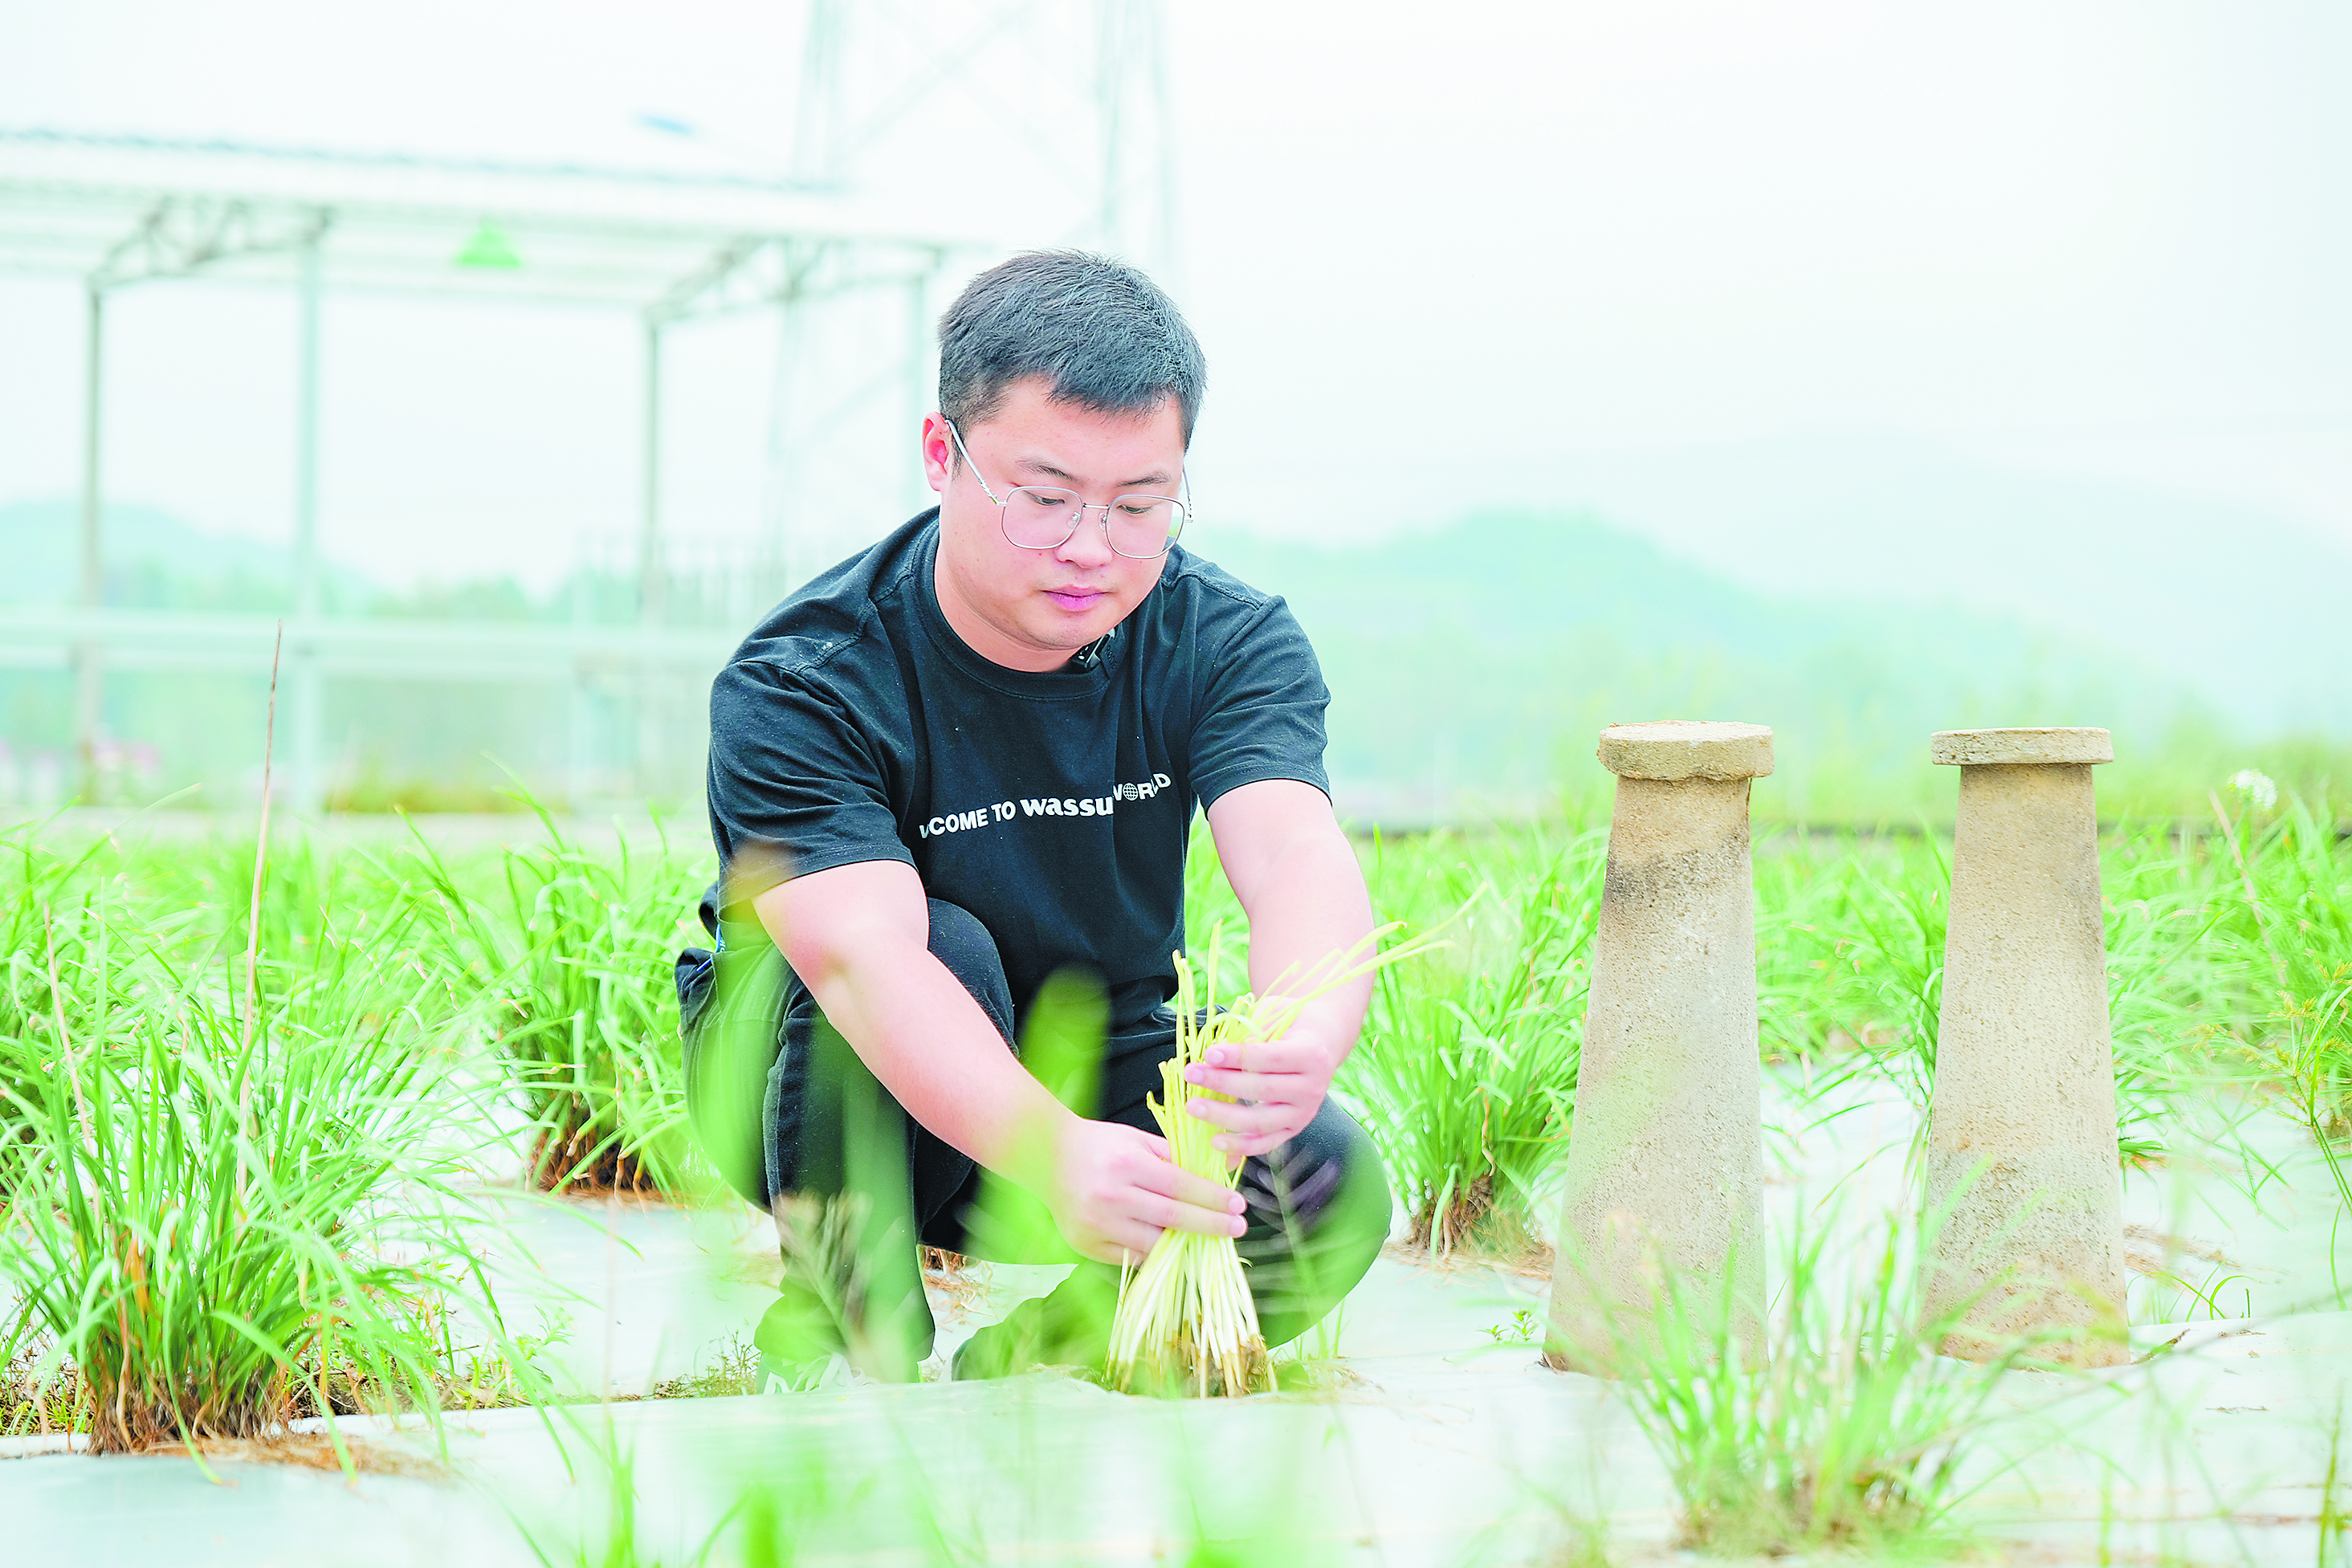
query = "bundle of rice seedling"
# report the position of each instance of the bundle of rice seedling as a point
(1186, 1318)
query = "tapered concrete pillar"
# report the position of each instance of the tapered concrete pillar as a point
(2022, 1135)
(1665, 1153)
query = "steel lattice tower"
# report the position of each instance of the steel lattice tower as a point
(1036, 122)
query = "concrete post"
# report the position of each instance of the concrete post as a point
(1665, 1155)
(2021, 1163)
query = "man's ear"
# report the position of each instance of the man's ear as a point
(939, 451)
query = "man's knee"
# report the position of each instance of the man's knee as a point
(730, 1018)
(822, 1100)
(1331, 1167)
(1319, 1213)
(963, 946)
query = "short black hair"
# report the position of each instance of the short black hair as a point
(1101, 332)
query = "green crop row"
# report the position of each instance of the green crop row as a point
(2228, 963)
(247, 1115)
(246, 1119)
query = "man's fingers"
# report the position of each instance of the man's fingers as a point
(1169, 1179)
(1126, 1241)
(1249, 1085)
(1198, 1192)
(1174, 1214)
(1172, 1197)
(1236, 1118)
(1246, 1145)
(1257, 1056)
(1238, 1147)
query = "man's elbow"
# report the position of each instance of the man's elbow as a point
(827, 938)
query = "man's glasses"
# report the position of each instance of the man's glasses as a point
(1043, 516)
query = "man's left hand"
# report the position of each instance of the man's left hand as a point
(1281, 1083)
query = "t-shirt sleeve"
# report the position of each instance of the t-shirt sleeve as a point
(1261, 709)
(796, 784)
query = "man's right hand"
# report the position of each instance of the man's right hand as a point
(858, 936)
(1114, 1190)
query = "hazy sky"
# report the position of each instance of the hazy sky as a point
(1440, 256)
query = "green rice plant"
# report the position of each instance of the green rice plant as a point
(32, 996)
(37, 1401)
(2286, 917)
(1852, 955)
(43, 934)
(221, 1222)
(59, 925)
(2289, 904)
(2335, 1517)
(1848, 1433)
(1186, 1317)
(570, 964)
(1849, 945)
(2165, 1296)
(2164, 1011)
(616, 1540)
(2308, 1059)
(312, 891)
(1877, 921)
(1465, 1073)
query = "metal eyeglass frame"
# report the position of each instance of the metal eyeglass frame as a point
(1184, 508)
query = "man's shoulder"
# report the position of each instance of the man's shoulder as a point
(840, 617)
(1198, 586)
(1205, 609)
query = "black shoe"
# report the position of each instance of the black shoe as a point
(803, 1344)
(800, 1342)
(808, 1376)
(1070, 1327)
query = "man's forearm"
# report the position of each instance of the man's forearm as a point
(926, 1041)
(1296, 878)
(1310, 910)
(859, 937)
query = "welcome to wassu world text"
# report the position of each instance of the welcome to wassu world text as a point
(1005, 811)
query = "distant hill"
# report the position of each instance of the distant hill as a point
(423, 743)
(1473, 661)
(1485, 657)
(152, 560)
(156, 561)
(2246, 608)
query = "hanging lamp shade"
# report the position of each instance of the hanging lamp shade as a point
(489, 247)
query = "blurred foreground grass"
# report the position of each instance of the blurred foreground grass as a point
(210, 1148)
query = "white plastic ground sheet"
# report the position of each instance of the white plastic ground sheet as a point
(1441, 1445)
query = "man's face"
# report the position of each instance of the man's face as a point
(1030, 609)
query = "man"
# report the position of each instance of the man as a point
(968, 758)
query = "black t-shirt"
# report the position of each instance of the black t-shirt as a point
(855, 725)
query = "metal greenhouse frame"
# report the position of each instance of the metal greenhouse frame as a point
(117, 211)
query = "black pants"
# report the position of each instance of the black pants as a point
(1317, 1206)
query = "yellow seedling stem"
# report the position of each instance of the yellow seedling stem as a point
(1186, 1315)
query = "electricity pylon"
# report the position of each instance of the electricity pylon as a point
(1031, 124)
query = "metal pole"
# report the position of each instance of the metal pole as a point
(581, 760)
(1110, 60)
(819, 152)
(89, 678)
(650, 577)
(1166, 254)
(783, 414)
(919, 385)
(308, 792)
(305, 442)
(650, 569)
